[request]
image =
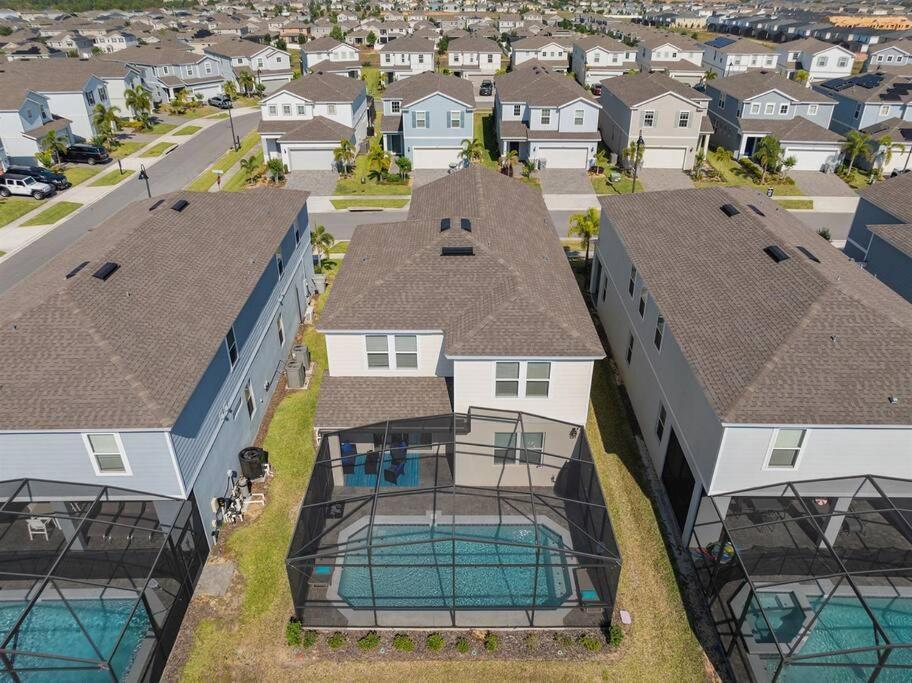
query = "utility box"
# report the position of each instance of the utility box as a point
(295, 374)
(319, 281)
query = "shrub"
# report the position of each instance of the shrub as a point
(531, 641)
(615, 635)
(590, 642)
(435, 642)
(563, 640)
(462, 644)
(403, 642)
(751, 167)
(825, 234)
(369, 640)
(293, 633)
(309, 639)
(490, 641)
(337, 640)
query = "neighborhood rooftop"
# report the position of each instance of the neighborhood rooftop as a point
(420, 86)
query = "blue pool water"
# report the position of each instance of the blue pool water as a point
(409, 477)
(50, 628)
(423, 584)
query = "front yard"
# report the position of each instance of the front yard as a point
(80, 174)
(352, 184)
(52, 214)
(207, 178)
(112, 178)
(382, 203)
(13, 208)
(733, 173)
(603, 185)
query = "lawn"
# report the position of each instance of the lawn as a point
(796, 203)
(15, 207)
(157, 149)
(484, 131)
(79, 174)
(735, 174)
(112, 178)
(353, 185)
(220, 115)
(207, 178)
(857, 179)
(601, 185)
(161, 128)
(238, 181)
(53, 213)
(371, 75)
(369, 203)
(126, 149)
(188, 130)
(340, 247)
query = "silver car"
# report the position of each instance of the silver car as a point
(24, 186)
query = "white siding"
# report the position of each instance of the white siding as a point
(347, 356)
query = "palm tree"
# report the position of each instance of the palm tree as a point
(249, 166)
(471, 150)
(179, 102)
(276, 170)
(789, 162)
(601, 161)
(528, 168)
(855, 145)
(708, 75)
(230, 89)
(404, 164)
(379, 160)
(344, 155)
(885, 150)
(105, 119)
(321, 241)
(55, 143)
(509, 158)
(699, 160)
(246, 81)
(768, 153)
(585, 226)
(138, 101)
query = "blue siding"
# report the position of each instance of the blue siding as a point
(891, 266)
(437, 134)
(859, 236)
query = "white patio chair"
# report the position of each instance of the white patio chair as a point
(38, 526)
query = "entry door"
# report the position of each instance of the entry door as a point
(678, 480)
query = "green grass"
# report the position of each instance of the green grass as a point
(15, 207)
(340, 247)
(352, 184)
(53, 213)
(126, 149)
(601, 185)
(161, 128)
(188, 130)
(157, 149)
(857, 179)
(2, 253)
(369, 203)
(220, 115)
(238, 181)
(227, 160)
(112, 178)
(371, 75)
(484, 132)
(79, 174)
(796, 203)
(734, 174)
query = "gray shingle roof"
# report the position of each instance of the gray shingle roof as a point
(317, 129)
(473, 45)
(753, 83)
(236, 48)
(604, 42)
(323, 44)
(129, 352)
(758, 334)
(50, 75)
(407, 44)
(163, 53)
(898, 235)
(325, 87)
(742, 46)
(539, 87)
(892, 195)
(417, 87)
(360, 401)
(638, 88)
(797, 129)
(515, 296)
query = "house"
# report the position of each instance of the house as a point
(303, 122)
(596, 58)
(31, 50)
(167, 68)
(25, 118)
(727, 56)
(749, 106)
(330, 56)
(426, 118)
(752, 352)
(72, 43)
(672, 54)
(896, 156)
(268, 65)
(390, 30)
(868, 99)
(507, 23)
(166, 388)
(551, 51)
(321, 28)
(546, 117)
(822, 61)
(894, 56)
(670, 117)
(406, 57)
(474, 58)
(470, 298)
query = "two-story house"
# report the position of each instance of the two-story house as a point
(114, 41)
(330, 56)
(171, 359)
(822, 61)
(673, 55)
(747, 107)
(753, 353)
(268, 65)
(167, 68)
(894, 56)
(726, 56)
(426, 118)
(596, 58)
(474, 58)
(554, 52)
(72, 43)
(668, 115)
(406, 57)
(303, 122)
(546, 117)
(25, 118)
(470, 298)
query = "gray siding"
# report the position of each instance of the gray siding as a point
(891, 266)
(859, 236)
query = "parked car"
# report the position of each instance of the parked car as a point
(81, 153)
(596, 89)
(486, 89)
(42, 175)
(221, 101)
(24, 186)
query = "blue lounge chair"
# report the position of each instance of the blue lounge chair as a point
(349, 452)
(392, 473)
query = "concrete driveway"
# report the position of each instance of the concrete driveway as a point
(817, 184)
(564, 181)
(655, 179)
(423, 176)
(318, 183)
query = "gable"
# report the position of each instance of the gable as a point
(443, 97)
(669, 93)
(764, 93)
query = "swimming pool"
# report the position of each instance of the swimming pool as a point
(422, 584)
(50, 628)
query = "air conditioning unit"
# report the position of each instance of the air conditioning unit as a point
(295, 374)
(301, 353)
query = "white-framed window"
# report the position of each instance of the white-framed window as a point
(103, 94)
(812, 109)
(107, 454)
(721, 100)
(578, 117)
(596, 57)
(490, 59)
(90, 97)
(517, 109)
(546, 117)
(649, 118)
(280, 329)
(301, 110)
(249, 399)
(659, 333)
(377, 351)
(785, 448)
(455, 119)
(631, 284)
(660, 421)
(885, 110)
(820, 61)
(506, 379)
(330, 108)
(755, 108)
(208, 67)
(420, 119)
(628, 356)
(273, 110)
(189, 69)
(783, 108)
(684, 119)
(260, 63)
(644, 297)
(406, 350)
(231, 347)
(395, 106)
(843, 62)
(165, 70)
(506, 452)
(421, 59)
(538, 379)
(769, 108)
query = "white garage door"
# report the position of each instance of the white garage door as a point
(310, 159)
(558, 157)
(664, 157)
(435, 157)
(810, 159)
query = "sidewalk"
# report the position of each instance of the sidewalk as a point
(323, 204)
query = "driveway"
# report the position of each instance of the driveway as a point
(565, 181)
(423, 176)
(817, 184)
(655, 179)
(318, 183)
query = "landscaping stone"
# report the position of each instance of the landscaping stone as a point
(216, 578)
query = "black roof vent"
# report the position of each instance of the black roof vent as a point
(730, 210)
(457, 251)
(180, 205)
(156, 204)
(807, 252)
(106, 271)
(465, 224)
(775, 252)
(444, 224)
(75, 270)
(755, 210)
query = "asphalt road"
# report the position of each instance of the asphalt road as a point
(172, 173)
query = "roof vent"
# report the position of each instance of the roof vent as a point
(106, 271)
(156, 204)
(457, 251)
(755, 210)
(807, 252)
(75, 270)
(444, 224)
(180, 205)
(730, 210)
(465, 224)
(893, 400)
(775, 252)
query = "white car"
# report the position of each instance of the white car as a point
(25, 186)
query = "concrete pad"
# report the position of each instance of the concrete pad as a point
(216, 578)
(571, 202)
(572, 181)
(318, 183)
(657, 179)
(423, 176)
(817, 184)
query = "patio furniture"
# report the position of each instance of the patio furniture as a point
(400, 452)
(321, 575)
(44, 510)
(349, 451)
(335, 510)
(392, 473)
(371, 463)
(38, 526)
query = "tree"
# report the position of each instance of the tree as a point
(634, 154)
(699, 160)
(344, 155)
(230, 90)
(825, 234)
(246, 81)
(471, 150)
(378, 160)
(885, 150)
(856, 145)
(708, 75)
(337, 33)
(321, 241)
(276, 170)
(602, 162)
(55, 143)
(442, 45)
(105, 120)
(768, 154)
(280, 44)
(249, 167)
(802, 76)
(137, 101)
(404, 164)
(180, 101)
(371, 39)
(509, 158)
(528, 168)
(585, 226)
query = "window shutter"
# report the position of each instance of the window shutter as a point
(414, 119)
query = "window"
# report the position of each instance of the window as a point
(578, 116)
(280, 262)
(395, 106)
(629, 355)
(165, 70)
(90, 97)
(538, 377)
(455, 120)
(721, 100)
(280, 329)
(660, 330)
(649, 118)
(820, 61)
(107, 454)
(231, 346)
(301, 109)
(546, 117)
(420, 119)
(406, 351)
(596, 57)
(286, 110)
(812, 109)
(787, 445)
(684, 119)
(249, 399)
(103, 94)
(189, 68)
(506, 452)
(843, 62)
(297, 234)
(769, 108)
(273, 111)
(631, 284)
(783, 109)
(604, 287)
(421, 59)
(377, 351)
(208, 67)
(517, 109)
(330, 109)
(857, 111)
(506, 379)
(644, 295)
(755, 108)
(490, 59)
(885, 110)
(660, 423)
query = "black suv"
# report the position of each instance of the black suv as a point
(86, 154)
(220, 101)
(486, 89)
(58, 180)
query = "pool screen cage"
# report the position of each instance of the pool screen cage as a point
(485, 518)
(94, 580)
(811, 580)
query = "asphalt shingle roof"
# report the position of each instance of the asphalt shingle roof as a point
(898, 235)
(892, 195)
(639, 88)
(360, 401)
(539, 87)
(421, 85)
(325, 87)
(752, 83)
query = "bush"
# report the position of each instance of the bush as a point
(490, 641)
(435, 642)
(750, 166)
(462, 644)
(825, 234)
(615, 635)
(590, 642)
(563, 640)
(403, 642)
(369, 640)
(309, 639)
(337, 640)
(531, 641)
(293, 634)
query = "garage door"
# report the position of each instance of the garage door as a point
(664, 157)
(810, 159)
(435, 157)
(556, 157)
(310, 159)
